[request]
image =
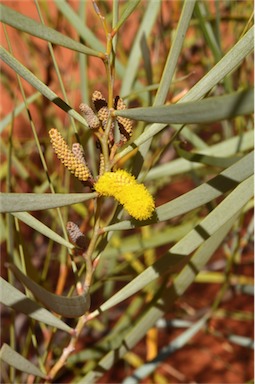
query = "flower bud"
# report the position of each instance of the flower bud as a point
(75, 234)
(90, 117)
(67, 157)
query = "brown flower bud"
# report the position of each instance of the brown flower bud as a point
(90, 117)
(98, 100)
(125, 124)
(75, 234)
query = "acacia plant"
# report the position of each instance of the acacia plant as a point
(87, 228)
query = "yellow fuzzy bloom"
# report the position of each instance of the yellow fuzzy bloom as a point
(74, 163)
(135, 198)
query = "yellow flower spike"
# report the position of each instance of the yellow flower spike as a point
(135, 198)
(67, 157)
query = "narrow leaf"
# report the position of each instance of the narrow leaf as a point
(180, 341)
(26, 24)
(208, 32)
(162, 305)
(13, 298)
(65, 306)
(174, 53)
(230, 62)
(86, 34)
(196, 112)
(243, 341)
(16, 111)
(20, 202)
(39, 85)
(137, 244)
(236, 145)
(144, 30)
(225, 181)
(19, 362)
(16, 163)
(223, 162)
(224, 67)
(130, 7)
(166, 78)
(42, 228)
(221, 215)
(84, 31)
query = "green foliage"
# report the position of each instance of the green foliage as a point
(185, 129)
